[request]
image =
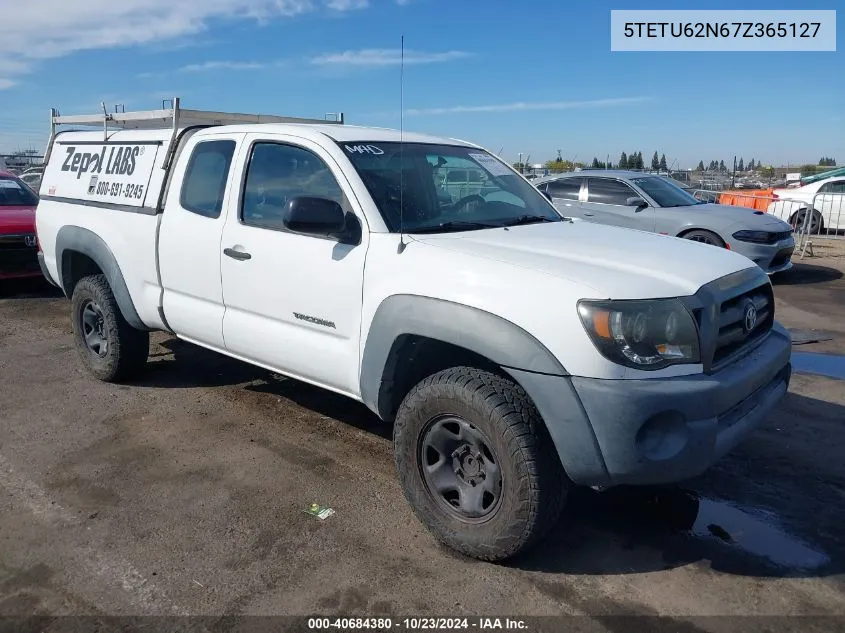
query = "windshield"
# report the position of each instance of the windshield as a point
(13, 193)
(664, 193)
(445, 187)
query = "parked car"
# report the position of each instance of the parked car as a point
(824, 200)
(651, 203)
(17, 228)
(32, 179)
(515, 353)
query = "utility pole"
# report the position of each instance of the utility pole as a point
(521, 171)
(733, 176)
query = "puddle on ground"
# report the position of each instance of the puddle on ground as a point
(758, 535)
(687, 526)
(830, 365)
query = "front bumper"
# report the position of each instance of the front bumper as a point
(772, 258)
(655, 431)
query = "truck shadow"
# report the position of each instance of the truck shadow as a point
(618, 531)
(193, 366)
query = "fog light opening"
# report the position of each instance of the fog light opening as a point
(663, 436)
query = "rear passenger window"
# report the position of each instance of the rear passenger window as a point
(279, 172)
(606, 191)
(205, 178)
(565, 188)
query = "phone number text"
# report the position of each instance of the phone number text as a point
(119, 190)
(721, 29)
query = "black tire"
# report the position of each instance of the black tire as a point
(533, 483)
(816, 222)
(112, 350)
(705, 237)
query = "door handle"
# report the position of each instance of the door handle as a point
(588, 214)
(231, 252)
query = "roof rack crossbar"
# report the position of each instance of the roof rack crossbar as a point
(164, 118)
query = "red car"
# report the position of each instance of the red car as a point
(18, 244)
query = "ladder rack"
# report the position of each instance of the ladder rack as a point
(174, 118)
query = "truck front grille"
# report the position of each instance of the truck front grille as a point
(734, 314)
(743, 321)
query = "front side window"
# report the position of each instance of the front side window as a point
(14, 193)
(606, 191)
(276, 174)
(833, 187)
(664, 193)
(206, 176)
(439, 188)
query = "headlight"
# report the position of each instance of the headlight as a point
(649, 334)
(758, 237)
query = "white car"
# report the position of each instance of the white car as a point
(516, 353)
(824, 200)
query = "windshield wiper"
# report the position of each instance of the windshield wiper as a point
(455, 225)
(527, 219)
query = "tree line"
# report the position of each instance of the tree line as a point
(658, 163)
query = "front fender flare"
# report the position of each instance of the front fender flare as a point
(76, 238)
(481, 332)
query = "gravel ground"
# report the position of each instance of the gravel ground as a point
(184, 493)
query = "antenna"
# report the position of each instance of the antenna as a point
(401, 146)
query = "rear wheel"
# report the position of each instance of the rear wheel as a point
(476, 463)
(814, 226)
(111, 349)
(705, 237)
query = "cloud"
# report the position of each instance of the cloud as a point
(523, 106)
(222, 65)
(39, 30)
(347, 5)
(369, 57)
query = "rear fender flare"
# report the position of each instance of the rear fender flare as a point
(86, 242)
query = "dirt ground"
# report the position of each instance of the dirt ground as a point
(184, 493)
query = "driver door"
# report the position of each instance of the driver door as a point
(292, 301)
(607, 203)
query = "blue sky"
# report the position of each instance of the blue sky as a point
(531, 77)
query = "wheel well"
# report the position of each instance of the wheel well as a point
(413, 358)
(695, 228)
(75, 266)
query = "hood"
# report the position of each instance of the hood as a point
(17, 220)
(750, 218)
(615, 263)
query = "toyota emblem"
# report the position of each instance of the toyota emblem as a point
(749, 317)
(30, 240)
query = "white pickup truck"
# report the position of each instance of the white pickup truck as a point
(516, 352)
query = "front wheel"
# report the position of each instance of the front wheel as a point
(476, 463)
(111, 349)
(705, 237)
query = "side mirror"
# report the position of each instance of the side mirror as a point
(548, 195)
(636, 201)
(320, 217)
